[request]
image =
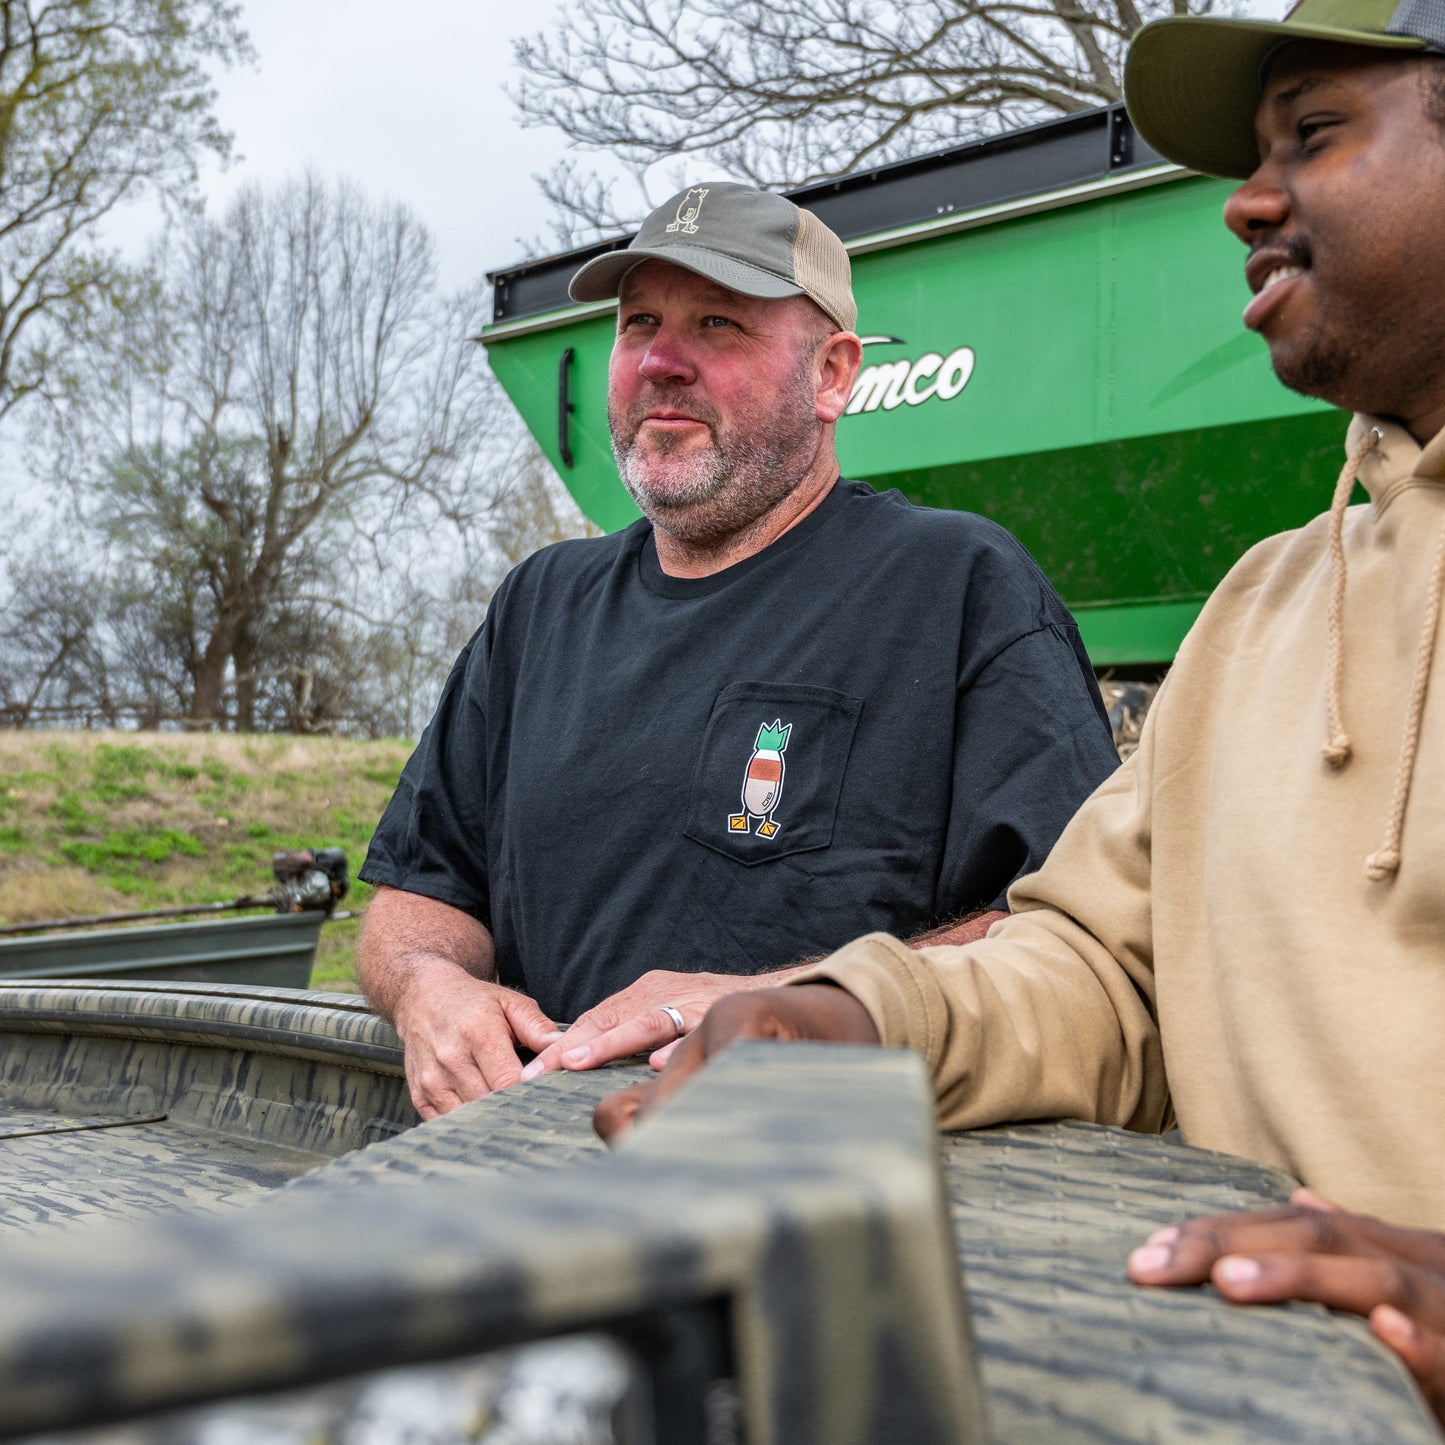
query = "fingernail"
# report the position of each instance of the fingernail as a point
(1150, 1258)
(1165, 1236)
(1234, 1270)
(1394, 1325)
(532, 1070)
(575, 1056)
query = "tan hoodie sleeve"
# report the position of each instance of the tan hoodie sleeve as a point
(1052, 1015)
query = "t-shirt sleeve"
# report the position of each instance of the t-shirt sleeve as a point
(432, 838)
(1032, 743)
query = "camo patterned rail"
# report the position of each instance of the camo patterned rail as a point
(1069, 1351)
(295, 1023)
(795, 1190)
(132, 1099)
(824, 1248)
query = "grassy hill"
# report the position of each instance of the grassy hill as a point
(98, 822)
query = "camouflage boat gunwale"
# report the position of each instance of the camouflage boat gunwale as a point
(333, 1266)
(296, 1023)
(792, 1194)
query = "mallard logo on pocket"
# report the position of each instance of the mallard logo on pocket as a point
(763, 781)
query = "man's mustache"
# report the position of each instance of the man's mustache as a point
(683, 406)
(1295, 247)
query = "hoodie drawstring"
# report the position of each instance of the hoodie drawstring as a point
(1386, 859)
(1337, 743)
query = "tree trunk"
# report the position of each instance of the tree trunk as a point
(210, 679)
(244, 656)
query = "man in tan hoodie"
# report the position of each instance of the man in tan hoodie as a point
(1244, 928)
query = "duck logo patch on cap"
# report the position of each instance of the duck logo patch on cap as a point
(687, 212)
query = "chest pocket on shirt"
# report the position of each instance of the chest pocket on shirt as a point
(771, 770)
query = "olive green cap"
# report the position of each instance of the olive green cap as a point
(751, 241)
(1193, 83)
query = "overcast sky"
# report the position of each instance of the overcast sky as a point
(413, 112)
(406, 100)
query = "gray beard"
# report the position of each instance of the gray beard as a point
(722, 490)
(694, 477)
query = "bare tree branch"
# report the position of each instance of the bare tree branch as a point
(786, 92)
(98, 100)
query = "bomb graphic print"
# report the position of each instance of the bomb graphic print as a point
(763, 781)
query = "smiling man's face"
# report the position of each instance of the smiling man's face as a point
(1345, 220)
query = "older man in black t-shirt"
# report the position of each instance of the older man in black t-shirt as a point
(779, 711)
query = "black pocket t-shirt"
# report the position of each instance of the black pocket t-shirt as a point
(878, 722)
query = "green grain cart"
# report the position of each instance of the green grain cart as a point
(1052, 337)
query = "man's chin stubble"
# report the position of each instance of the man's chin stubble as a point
(1317, 368)
(685, 487)
(708, 512)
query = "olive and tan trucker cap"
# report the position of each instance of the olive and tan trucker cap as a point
(750, 241)
(1193, 83)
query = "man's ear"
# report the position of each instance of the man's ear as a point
(839, 358)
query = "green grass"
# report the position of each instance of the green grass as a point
(130, 846)
(99, 822)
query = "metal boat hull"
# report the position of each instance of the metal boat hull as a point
(273, 950)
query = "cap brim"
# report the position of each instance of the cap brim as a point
(1192, 84)
(601, 277)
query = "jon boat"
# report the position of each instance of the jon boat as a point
(275, 950)
(221, 1221)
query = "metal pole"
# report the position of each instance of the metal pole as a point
(95, 918)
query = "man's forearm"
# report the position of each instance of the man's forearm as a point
(968, 929)
(406, 935)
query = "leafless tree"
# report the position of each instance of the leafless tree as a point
(52, 665)
(534, 512)
(783, 92)
(99, 99)
(274, 394)
(382, 671)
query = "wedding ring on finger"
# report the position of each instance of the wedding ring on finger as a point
(674, 1017)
